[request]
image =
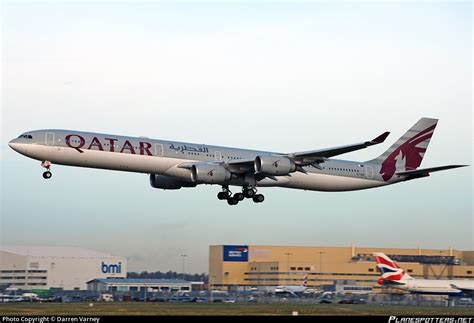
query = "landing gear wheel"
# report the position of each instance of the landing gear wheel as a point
(239, 196)
(232, 201)
(47, 165)
(47, 175)
(248, 192)
(223, 195)
(259, 198)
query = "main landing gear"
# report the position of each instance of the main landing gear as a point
(247, 192)
(47, 174)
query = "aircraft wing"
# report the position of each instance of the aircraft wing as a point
(423, 172)
(238, 166)
(317, 156)
(312, 157)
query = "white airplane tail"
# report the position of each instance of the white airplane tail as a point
(407, 153)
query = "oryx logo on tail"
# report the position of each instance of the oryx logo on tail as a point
(408, 152)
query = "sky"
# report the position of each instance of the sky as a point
(278, 76)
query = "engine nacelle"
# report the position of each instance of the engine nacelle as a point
(209, 174)
(274, 165)
(168, 183)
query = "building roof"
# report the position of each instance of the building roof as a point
(139, 281)
(54, 252)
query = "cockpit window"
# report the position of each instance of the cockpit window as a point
(26, 136)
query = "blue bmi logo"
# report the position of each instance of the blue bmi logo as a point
(111, 269)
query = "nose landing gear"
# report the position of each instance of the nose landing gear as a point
(47, 174)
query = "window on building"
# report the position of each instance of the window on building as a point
(469, 272)
(34, 265)
(307, 268)
(293, 268)
(371, 270)
(410, 270)
(300, 268)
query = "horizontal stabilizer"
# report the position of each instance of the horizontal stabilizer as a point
(426, 171)
(465, 290)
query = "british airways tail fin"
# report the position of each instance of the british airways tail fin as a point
(407, 153)
(305, 280)
(391, 272)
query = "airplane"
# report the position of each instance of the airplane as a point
(394, 276)
(292, 290)
(174, 165)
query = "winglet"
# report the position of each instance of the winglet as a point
(380, 138)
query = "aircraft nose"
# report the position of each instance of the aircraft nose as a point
(13, 144)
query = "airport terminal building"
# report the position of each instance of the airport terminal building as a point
(234, 267)
(68, 268)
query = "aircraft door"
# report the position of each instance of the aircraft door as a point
(49, 139)
(369, 172)
(218, 155)
(158, 150)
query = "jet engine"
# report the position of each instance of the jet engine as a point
(274, 165)
(168, 183)
(209, 174)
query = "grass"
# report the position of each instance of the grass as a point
(222, 309)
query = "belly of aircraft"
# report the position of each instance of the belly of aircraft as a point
(321, 182)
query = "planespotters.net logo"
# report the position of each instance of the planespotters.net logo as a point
(447, 319)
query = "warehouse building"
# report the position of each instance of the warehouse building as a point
(68, 268)
(244, 266)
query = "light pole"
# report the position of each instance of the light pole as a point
(184, 259)
(320, 268)
(287, 254)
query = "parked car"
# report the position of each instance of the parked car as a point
(201, 300)
(325, 301)
(229, 300)
(466, 301)
(352, 301)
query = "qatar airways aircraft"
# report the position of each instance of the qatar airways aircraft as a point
(394, 276)
(173, 165)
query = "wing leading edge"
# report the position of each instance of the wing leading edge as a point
(318, 156)
(312, 157)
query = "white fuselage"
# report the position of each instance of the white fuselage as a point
(432, 286)
(144, 155)
(290, 289)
